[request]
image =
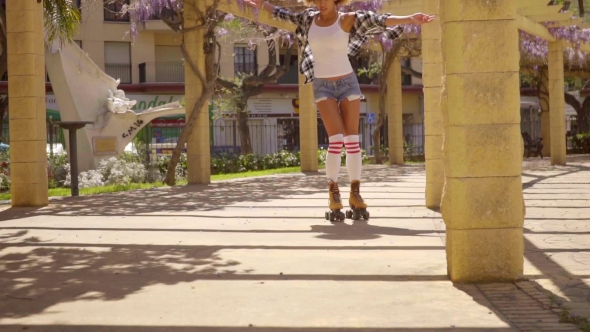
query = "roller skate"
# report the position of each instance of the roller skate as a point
(357, 205)
(335, 204)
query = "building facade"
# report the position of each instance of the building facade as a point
(151, 71)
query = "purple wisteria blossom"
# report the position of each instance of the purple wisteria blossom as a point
(531, 47)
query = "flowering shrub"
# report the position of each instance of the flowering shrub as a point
(128, 168)
(90, 179)
(110, 171)
(58, 170)
(117, 171)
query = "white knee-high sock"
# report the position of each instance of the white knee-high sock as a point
(333, 159)
(354, 161)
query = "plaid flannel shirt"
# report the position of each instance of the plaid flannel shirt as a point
(366, 23)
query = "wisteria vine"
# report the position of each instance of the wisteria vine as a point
(532, 48)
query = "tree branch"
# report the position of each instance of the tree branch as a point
(220, 82)
(573, 102)
(192, 64)
(410, 71)
(272, 52)
(283, 68)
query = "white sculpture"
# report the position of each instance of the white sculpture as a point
(117, 103)
(86, 93)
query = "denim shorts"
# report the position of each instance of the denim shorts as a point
(346, 87)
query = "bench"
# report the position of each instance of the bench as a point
(532, 146)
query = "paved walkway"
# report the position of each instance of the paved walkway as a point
(257, 255)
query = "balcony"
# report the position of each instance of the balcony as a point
(161, 72)
(119, 71)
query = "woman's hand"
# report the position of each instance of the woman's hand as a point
(254, 3)
(419, 18)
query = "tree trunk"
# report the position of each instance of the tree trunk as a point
(387, 60)
(244, 130)
(210, 78)
(377, 144)
(3, 43)
(3, 67)
(584, 117)
(381, 117)
(582, 111)
(3, 112)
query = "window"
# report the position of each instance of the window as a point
(112, 11)
(406, 78)
(291, 76)
(245, 60)
(117, 58)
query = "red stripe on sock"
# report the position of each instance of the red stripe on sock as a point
(353, 151)
(334, 152)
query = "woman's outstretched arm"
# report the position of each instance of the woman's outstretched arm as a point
(418, 18)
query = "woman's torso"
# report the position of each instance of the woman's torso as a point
(329, 46)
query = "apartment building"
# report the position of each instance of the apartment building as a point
(151, 70)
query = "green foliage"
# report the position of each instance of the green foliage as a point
(565, 316)
(231, 163)
(4, 171)
(580, 143)
(57, 170)
(374, 68)
(61, 18)
(224, 105)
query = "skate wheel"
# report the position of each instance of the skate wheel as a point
(349, 214)
(366, 215)
(340, 216)
(356, 215)
(327, 215)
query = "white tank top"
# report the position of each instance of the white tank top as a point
(329, 46)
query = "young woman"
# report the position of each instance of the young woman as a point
(326, 39)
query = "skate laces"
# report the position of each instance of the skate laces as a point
(355, 190)
(335, 192)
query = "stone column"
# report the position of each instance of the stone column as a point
(394, 113)
(431, 77)
(198, 144)
(544, 104)
(483, 202)
(26, 91)
(556, 104)
(308, 127)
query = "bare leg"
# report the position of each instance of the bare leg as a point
(351, 110)
(330, 116)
